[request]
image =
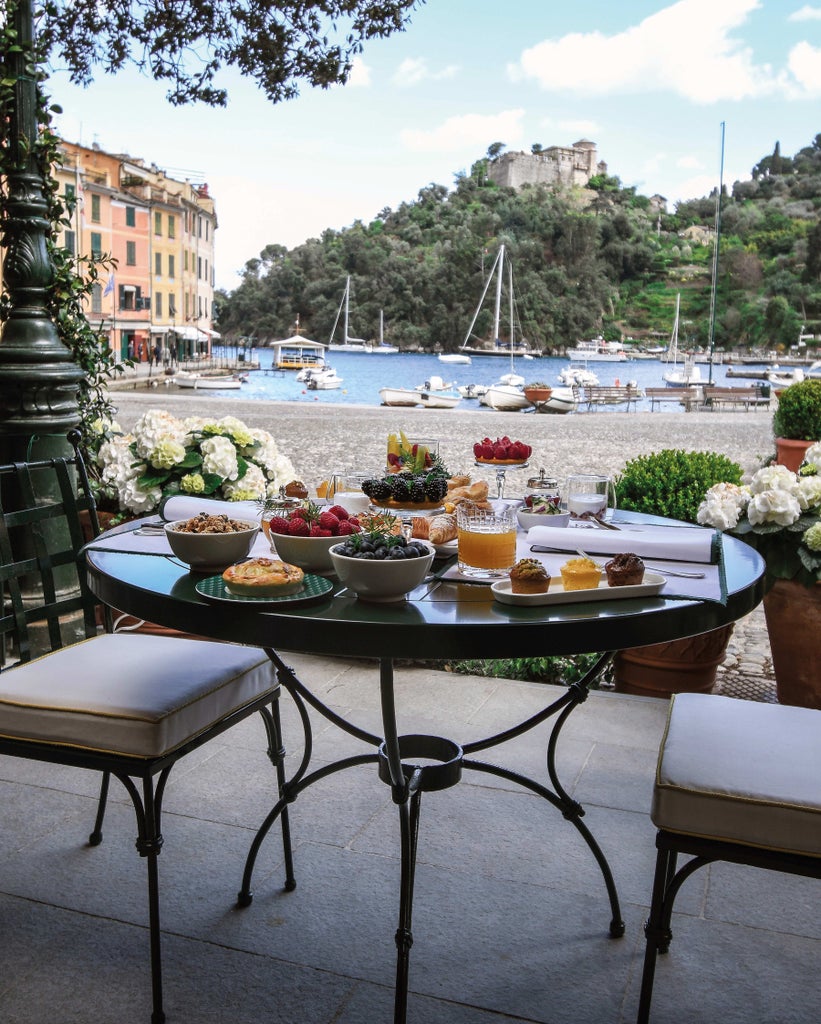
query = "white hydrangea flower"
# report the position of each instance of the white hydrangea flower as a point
(219, 456)
(809, 492)
(249, 488)
(722, 506)
(168, 453)
(241, 434)
(812, 456)
(154, 426)
(774, 478)
(774, 506)
(140, 502)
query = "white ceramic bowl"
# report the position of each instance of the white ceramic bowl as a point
(385, 580)
(210, 552)
(311, 554)
(528, 519)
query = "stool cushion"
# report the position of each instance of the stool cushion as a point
(741, 771)
(140, 696)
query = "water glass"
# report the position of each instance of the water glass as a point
(487, 541)
(590, 496)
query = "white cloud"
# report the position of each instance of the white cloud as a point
(414, 70)
(579, 128)
(360, 75)
(806, 13)
(467, 131)
(804, 63)
(689, 163)
(686, 48)
(651, 164)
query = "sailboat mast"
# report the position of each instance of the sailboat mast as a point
(715, 256)
(510, 296)
(347, 298)
(498, 308)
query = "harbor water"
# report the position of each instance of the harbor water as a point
(363, 376)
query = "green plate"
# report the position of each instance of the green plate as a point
(315, 588)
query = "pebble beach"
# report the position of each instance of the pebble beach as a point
(322, 439)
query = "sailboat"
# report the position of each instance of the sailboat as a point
(355, 345)
(684, 373)
(498, 348)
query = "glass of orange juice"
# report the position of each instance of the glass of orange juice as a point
(487, 541)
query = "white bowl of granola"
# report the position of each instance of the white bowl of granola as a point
(208, 543)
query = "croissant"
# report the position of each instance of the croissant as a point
(442, 528)
(458, 480)
(473, 492)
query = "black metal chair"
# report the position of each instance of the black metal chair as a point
(122, 704)
(737, 781)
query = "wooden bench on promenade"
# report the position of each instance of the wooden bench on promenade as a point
(735, 398)
(687, 397)
(594, 396)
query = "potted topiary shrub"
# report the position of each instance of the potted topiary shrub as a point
(797, 422)
(671, 483)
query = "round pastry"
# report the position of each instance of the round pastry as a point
(296, 489)
(529, 576)
(624, 570)
(263, 577)
(580, 574)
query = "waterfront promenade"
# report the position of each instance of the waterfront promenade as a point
(321, 439)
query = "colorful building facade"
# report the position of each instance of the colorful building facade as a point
(156, 303)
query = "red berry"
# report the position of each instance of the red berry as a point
(357, 528)
(298, 513)
(338, 511)
(499, 451)
(346, 528)
(328, 521)
(478, 449)
(297, 527)
(487, 450)
(278, 524)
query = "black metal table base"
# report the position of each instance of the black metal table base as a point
(445, 761)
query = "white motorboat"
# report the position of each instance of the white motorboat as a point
(578, 374)
(472, 390)
(440, 399)
(400, 396)
(779, 378)
(200, 381)
(435, 383)
(454, 357)
(322, 379)
(599, 350)
(562, 400)
(356, 345)
(506, 398)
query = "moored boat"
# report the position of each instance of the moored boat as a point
(400, 396)
(323, 378)
(562, 400)
(599, 350)
(455, 357)
(200, 381)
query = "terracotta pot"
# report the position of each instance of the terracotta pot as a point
(680, 666)
(790, 453)
(793, 614)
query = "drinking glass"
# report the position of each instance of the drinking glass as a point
(487, 541)
(346, 490)
(590, 496)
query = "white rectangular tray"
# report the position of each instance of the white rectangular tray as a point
(651, 584)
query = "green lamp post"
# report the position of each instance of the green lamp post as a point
(39, 381)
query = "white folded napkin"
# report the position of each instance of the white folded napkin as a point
(678, 543)
(185, 506)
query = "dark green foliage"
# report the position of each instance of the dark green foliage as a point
(586, 262)
(672, 482)
(798, 416)
(550, 669)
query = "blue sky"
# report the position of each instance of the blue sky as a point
(650, 81)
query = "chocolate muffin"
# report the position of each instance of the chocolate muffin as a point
(624, 570)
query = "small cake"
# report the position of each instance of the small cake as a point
(296, 489)
(263, 577)
(580, 574)
(529, 576)
(624, 570)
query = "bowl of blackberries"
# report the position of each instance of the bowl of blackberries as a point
(380, 565)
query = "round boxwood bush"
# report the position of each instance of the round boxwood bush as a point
(672, 482)
(798, 416)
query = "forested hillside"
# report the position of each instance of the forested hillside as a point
(600, 260)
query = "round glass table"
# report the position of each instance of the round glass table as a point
(442, 618)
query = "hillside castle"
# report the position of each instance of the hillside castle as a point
(557, 165)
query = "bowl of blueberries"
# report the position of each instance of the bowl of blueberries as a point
(383, 567)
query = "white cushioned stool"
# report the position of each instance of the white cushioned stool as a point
(737, 781)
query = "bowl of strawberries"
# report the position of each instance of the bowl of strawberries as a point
(304, 536)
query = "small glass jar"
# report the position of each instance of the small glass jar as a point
(544, 487)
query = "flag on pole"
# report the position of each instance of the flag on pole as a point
(109, 288)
